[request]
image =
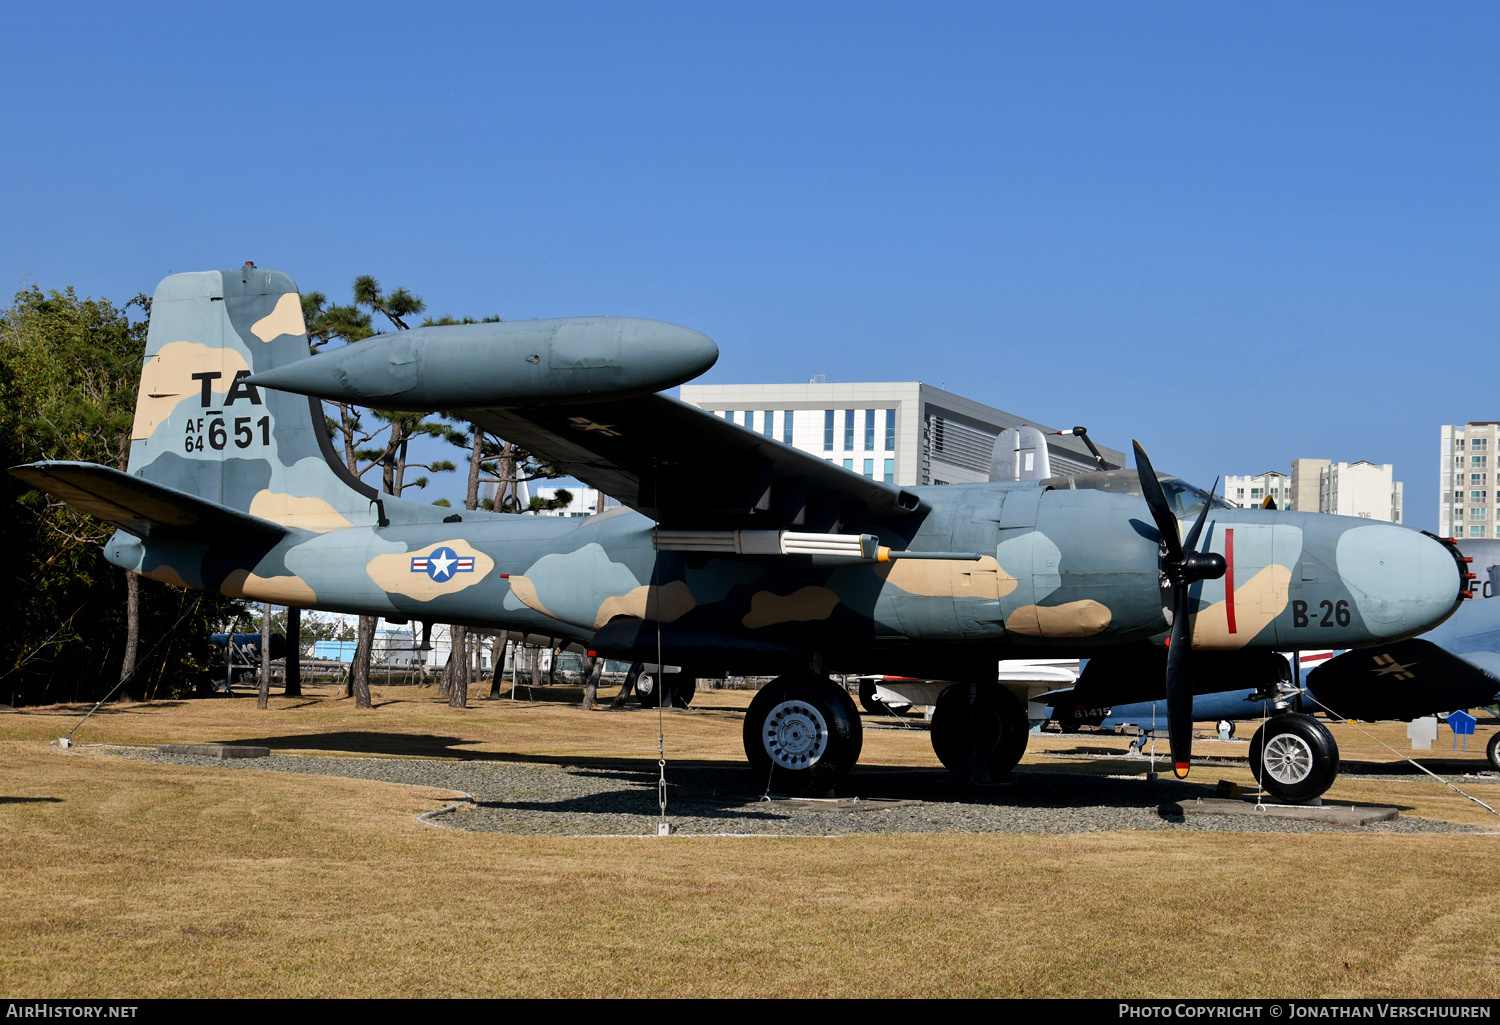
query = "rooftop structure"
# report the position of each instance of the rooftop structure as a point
(1252, 492)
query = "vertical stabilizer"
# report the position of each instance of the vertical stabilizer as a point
(200, 428)
(1020, 454)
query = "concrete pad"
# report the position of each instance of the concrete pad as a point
(841, 804)
(1334, 814)
(213, 750)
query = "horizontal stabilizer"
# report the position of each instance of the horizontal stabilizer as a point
(139, 506)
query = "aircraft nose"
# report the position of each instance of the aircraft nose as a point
(686, 352)
(1403, 582)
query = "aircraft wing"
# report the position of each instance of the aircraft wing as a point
(685, 467)
(139, 506)
(1401, 680)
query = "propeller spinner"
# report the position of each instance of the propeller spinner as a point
(1182, 566)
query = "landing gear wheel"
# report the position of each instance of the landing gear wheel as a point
(802, 732)
(870, 703)
(979, 731)
(668, 691)
(1492, 752)
(1294, 758)
(648, 689)
(1226, 727)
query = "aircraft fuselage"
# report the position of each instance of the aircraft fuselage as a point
(1058, 570)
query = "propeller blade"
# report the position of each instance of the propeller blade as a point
(1179, 683)
(1184, 566)
(1191, 544)
(1156, 501)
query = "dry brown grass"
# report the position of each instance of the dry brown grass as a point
(136, 879)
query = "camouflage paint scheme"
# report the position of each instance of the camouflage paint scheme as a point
(1065, 569)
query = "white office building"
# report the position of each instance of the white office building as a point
(1361, 489)
(1252, 492)
(904, 433)
(1466, 506)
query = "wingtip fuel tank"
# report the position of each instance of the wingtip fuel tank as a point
(502, 364)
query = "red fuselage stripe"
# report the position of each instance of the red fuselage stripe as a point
(1229, 577)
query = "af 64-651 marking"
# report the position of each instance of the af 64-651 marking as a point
(216, 433)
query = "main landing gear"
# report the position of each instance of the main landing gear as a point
(669, 690)
(870, 703)
(802, 734)
(1294, 758)
(979, 731)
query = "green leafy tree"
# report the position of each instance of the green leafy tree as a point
(69, 369)
(371, 437)
(327, 323)
(397, 306)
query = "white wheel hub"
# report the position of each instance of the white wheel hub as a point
(644, 684)
(795, 735)
(1287, 759)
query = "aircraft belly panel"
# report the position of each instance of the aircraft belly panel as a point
(926, 617)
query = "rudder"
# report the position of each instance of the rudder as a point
(200, 428)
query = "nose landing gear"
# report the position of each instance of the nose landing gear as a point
(1294, 758)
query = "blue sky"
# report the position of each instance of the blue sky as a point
(1241, 233)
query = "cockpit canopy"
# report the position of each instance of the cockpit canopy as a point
(1186, 501)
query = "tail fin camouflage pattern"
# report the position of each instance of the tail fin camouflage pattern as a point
(199, 428)
(225, 478)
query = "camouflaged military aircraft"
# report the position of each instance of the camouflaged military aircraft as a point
(732, 552)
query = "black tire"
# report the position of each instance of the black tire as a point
(1492, 752)
(669, 690)
(802, 733)
(648, 689)
(683, 689)
(868, 701)
(979, 731)
(627, 686)
(1225, 726)
(1302, 758)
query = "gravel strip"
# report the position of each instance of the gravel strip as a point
(559, 800)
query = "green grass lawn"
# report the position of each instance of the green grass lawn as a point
(124, 878)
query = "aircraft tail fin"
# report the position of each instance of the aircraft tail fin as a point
(200, 429)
